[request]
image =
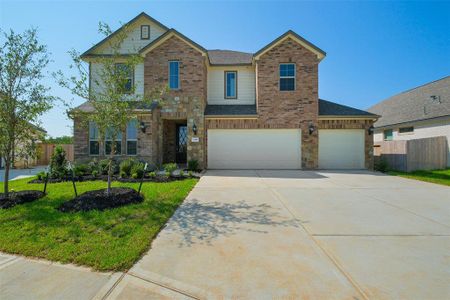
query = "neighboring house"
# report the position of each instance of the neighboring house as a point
(421, 112)
(230, 109)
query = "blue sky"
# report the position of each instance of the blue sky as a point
(374, 49)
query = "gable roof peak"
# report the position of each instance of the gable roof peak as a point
(296, 37)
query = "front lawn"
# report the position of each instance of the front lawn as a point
(434, 176)
(105, 240)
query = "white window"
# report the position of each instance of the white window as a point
(174, 72)
(145, 32)
(230, 84)
(94, 146)
(132, 136)
(287, 77)
(117, 143)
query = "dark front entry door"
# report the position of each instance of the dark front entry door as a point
(181, 146)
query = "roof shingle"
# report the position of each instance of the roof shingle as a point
(428, 101)
(228, 57)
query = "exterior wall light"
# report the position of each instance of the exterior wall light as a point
(143, 127)
(370, 130)
(311, 128)
(194, 129)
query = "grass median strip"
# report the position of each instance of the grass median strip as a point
(112, 239)
(433, 176)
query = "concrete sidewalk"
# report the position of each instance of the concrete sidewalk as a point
(21, 173)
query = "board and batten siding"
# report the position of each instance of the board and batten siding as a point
(245, 85)
(422, 129)
(133, 43)
(96, 84)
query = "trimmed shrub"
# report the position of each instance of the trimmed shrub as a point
(170, 168)
(381, 165)
(126, 166)
(81, 170)
(95, 173)
(152, 174)
(193, 165)
(137, 169)
(58, 163)
(41, 175)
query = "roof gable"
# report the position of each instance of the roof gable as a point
(167, 35)
(142, 16)
(297, 38)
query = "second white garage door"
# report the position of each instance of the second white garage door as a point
(341, 149)
(254, 149)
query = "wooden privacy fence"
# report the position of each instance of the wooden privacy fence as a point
(46, 152)
(410, 155)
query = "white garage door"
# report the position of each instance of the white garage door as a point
(341, 149)
(254, 149)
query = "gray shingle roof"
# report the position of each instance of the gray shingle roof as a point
(228, 57)
(328, 108)
(428, 101)
(230, 110)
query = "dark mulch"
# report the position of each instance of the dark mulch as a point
(69, 178)
(159, 178)
(15, 198)
(99, 200)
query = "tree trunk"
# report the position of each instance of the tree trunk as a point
(6, 179)
(110, 168)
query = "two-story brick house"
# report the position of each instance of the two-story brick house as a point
(232, 110)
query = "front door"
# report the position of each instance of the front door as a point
(181, 146)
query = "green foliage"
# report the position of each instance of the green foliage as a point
(181, 173)
(381, 165)
(81, 169)
(62, 140)
(24, 96)
(170, 168)
(123, 174)
(103, 166)
(38, 229)
(152, 174)
(58, 163)
(126, 166)
(95, 173)
(135, 176)
(190, 173)
(433, 176)
(137, 169)
(193, 165)
(40, 175)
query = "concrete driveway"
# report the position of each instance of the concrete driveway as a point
(300, 234)
(21, 173)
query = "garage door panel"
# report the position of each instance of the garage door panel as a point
(341, 149)
(254, 149)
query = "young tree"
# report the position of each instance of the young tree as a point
(111, 93)
(23, 96)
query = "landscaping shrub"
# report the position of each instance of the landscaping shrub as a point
(94, 173)
(170, 168)
(137, 170)
(41, 175)
(181, 173)
(193, 165)
(126, 166)
(94, 166)
(58, 163)
(81, 170)
(152, 174)
(381, 165)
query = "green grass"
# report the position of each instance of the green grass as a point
(434, 176)
(108, 240)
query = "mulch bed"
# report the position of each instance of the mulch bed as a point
(99, 200)
(20, 197)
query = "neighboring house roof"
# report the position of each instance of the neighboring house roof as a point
(328, 108)
(168, 34)
(291, 34)
(428, 101)
(229, 57)
(230, 110)
(142, 14)
(37, 128)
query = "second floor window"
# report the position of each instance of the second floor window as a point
(287, 77)
(132, 137)
(125, 77)
(230, 84)
(174, 70)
